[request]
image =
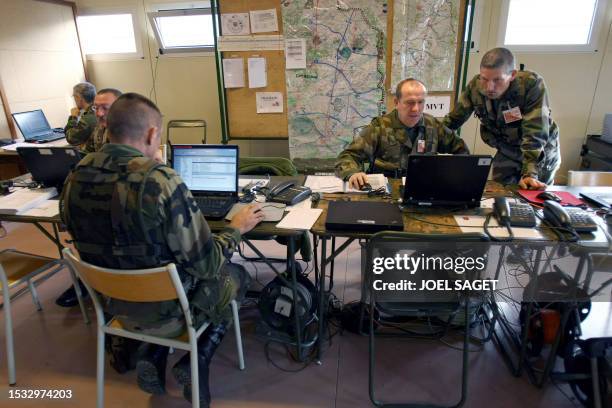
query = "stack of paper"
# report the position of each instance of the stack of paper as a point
(300, 219)
(475, 223)
(22, 200)
(333, 184)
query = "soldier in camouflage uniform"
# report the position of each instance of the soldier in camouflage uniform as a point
(389, 139)
(515, 118)
(82, 119)
(126, 210)
(93, 141)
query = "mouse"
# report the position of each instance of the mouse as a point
(366, 187)
(547, 195)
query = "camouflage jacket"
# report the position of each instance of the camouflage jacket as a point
(532, 141)
(386, 143)
(79, 129)
(97, 138)
(126, 211)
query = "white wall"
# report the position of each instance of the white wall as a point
(183, 87)
(579, 83)
(40, 60)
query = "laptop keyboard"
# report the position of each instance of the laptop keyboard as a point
(214, 206)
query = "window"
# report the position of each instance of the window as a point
(109, 35)
(189, 30)
(551, 24)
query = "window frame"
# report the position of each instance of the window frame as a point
(139, 54)
(191, 50)
(591, 46)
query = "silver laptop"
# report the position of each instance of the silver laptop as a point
(211, 173)
(35, 128)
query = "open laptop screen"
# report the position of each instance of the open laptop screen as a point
(207, 168)
(32, 123)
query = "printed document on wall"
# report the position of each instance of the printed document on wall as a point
(264, 21)
(235, 23)
(258, 77)
(233, 72)
(295, 53)
(269, 102)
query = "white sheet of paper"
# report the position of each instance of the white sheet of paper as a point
(475, 223)
(325, 184)
(243, 182)
(269, 102)
(375, 180)
(260, 42)
(300, 219)
(263, 21)
(235, 24)
(258, 77)
(437, 105)
(233, 72)
(48, 208)
(295, 53)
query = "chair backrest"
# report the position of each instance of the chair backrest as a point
(589, 178)
(154, 285)
(186, 123)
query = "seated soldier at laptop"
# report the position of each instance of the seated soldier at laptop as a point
(388, 140)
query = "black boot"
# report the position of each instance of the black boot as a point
(207, 346)
(123, 352)
(151, 368)
(69, 297)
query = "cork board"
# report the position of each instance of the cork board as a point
(243, 120)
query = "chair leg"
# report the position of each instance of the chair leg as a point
(100, 369)
(238, 335)
(195, 376)
(8, 325)
(77, 289)
(34, 293)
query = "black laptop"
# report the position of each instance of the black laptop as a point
(365, 216)
(446, 180)
(35, 128)
(50, 166)
(211, 173)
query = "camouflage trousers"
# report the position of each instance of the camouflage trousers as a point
(508, 171)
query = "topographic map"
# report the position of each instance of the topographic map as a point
(424, 42)
(342, 87)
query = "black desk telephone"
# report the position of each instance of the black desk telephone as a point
(572, 219)
(516, 214)
(288, 193)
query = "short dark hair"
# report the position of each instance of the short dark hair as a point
(86, 90)
(113, 91)
(498, 58)
(398, 88)
(131, 116)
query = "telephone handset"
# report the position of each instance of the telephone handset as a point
(288, 193)
(572, 219)
(501, 208)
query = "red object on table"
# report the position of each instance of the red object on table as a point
(566, 198)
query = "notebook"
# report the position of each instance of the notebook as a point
(366, 216)
(35, 128)
(49, 166)
(211, 173)
(446, 180)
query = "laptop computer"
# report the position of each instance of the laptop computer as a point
(50, 166)
(365, 216)
(35, 128)
(446, 180)
(211, 173)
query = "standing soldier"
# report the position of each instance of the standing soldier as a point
(515, 118)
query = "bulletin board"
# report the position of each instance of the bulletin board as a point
(243, 120)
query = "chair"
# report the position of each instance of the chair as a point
(589, 178)
(445, 304)
(16, 268)
(156, 284)
(186, 123)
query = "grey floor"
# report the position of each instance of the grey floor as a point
(56, 350)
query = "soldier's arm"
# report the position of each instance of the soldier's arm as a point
(196, 250)
(77, 133)
(352, 159)
(462, 110)
(535, 127)
(450, 142)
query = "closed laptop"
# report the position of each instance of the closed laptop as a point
(363, 216)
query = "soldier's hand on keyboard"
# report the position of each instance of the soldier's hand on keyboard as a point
(247, 218)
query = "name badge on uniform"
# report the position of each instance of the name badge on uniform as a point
(512, 115)
(421, 146)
